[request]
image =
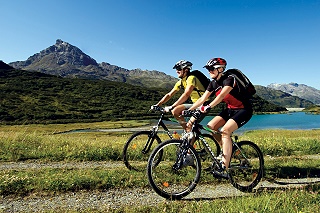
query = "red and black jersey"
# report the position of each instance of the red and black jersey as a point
(234, 99)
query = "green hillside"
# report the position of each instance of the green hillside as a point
(33, 97)
(281, 98)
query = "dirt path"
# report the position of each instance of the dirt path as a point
(112, 199)
(57, 165)
(115, 198)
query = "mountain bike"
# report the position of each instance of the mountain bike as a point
(171, 179)
(138, 147)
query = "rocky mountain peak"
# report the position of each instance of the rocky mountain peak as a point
(294, 84)
(54, 57)
(66, 60)
(300, 90)
(59, 41)
(61, 46)
(65, 53)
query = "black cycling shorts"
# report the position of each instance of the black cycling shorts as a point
(240, 116)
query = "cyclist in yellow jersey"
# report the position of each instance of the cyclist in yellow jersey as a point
(192, 88)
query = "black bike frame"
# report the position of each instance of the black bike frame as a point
(154, 132)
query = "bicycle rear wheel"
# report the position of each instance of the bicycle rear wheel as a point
(165, 177)
(137, 149)
(246, 166)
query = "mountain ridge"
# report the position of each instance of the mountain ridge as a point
(281, 98)
(65, 60)
(35, 97)
(300, 90)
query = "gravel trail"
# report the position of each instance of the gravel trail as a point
(114, 198)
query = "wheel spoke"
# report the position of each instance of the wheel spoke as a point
(246, 166)
(135, 154)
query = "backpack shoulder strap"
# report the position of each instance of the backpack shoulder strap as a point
(195, 75)
(235, 73)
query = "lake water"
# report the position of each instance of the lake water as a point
(295, 120)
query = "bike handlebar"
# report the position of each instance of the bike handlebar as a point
(187, 113)
(157, 108)
(192, 113)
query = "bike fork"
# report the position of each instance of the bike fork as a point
(181, 154)
(149, 143)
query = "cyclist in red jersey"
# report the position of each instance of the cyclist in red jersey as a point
(238, 111)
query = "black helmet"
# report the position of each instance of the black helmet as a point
(182, 64)
(216, 62)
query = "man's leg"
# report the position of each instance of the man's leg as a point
(177, 114)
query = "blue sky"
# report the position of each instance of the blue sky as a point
(272, 41)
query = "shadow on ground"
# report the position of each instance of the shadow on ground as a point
(293, 172)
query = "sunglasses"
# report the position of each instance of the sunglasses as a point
(178, 68)
(211, 69)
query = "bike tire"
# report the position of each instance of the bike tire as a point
(170, 183)
(246, 166)
(132, 154)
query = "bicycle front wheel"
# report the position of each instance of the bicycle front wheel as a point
(168, 179)
(137, 149)
(246, 166)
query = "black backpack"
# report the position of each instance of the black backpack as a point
(246, 88)
(201, 77)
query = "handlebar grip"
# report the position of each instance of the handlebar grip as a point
(157, 108)
(195, 113)
(187, 113)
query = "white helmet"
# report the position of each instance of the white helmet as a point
(183, 64)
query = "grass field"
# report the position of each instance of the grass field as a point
(287, 155)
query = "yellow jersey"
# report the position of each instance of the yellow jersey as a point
(194, 81)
